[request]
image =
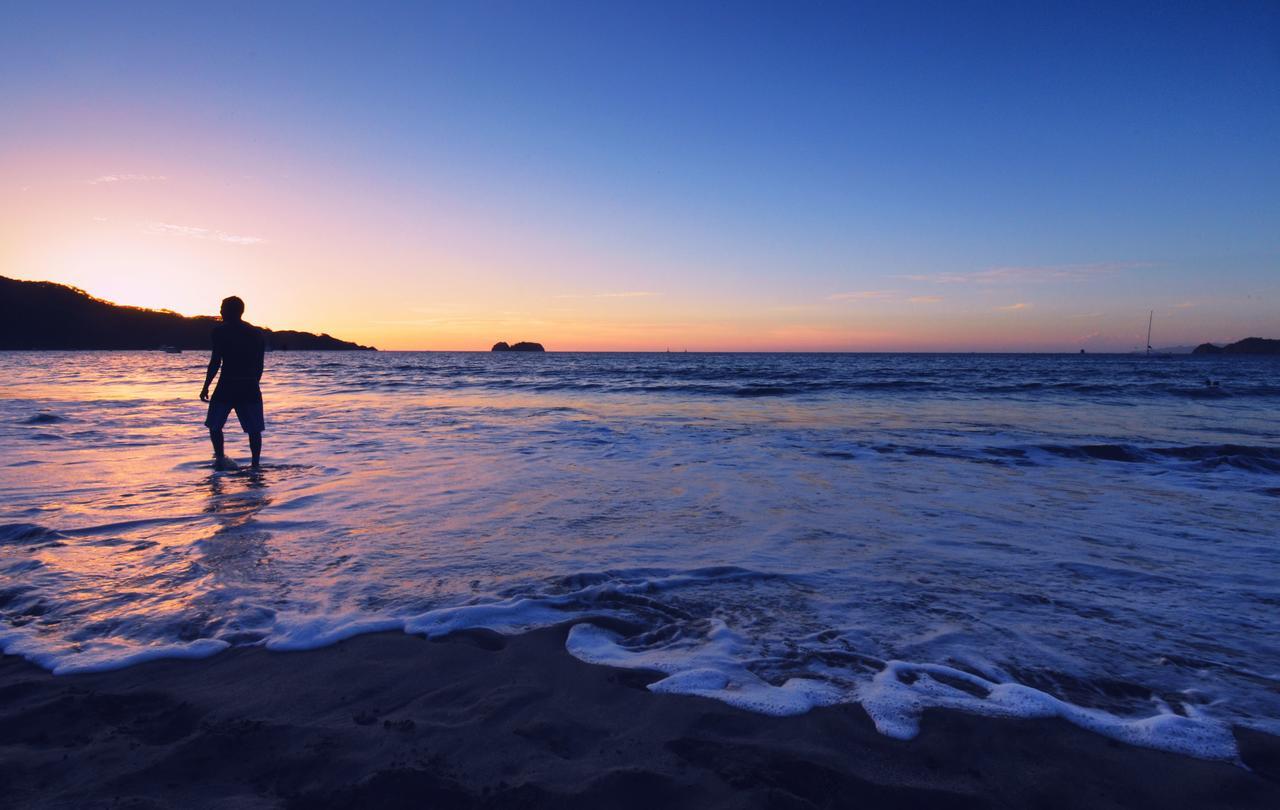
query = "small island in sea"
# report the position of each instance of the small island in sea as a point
(1252, 345)
(522, 346)
(46, 315)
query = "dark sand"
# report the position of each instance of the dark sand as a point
(477, 720)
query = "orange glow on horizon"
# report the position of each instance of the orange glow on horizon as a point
(407, 271)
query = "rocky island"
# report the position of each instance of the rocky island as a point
(45, 315)
(1252, 345)
(522, 346)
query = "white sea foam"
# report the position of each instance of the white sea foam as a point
(895, 705)
(504, 617)
(312, 632)
(712, 669)
(102, 656)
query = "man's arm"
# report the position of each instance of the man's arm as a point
(215, 361)
(262, 351)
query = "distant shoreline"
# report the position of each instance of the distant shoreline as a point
(47, 316)
(365, 349)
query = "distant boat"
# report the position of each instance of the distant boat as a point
(1151, 316)
(171, 350)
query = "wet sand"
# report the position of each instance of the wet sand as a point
(480, 720)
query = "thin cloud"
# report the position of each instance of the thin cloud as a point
(793, 308)
(628, 294)
(862, 295)
(925, 299)
(1015, 307)
(452, 322)
(436, 309)
(1032, 274)
(192, 232)
(1185, 305)
(127, 178)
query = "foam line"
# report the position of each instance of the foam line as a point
(709, 670)
(895, 706)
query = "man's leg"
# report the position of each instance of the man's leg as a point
(216, 418)
(249, 412)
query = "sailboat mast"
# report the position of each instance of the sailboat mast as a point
(1150, 317)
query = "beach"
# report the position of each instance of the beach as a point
(475, 719)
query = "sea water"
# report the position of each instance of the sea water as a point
(1095, 538)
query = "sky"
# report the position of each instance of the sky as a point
(951, 176)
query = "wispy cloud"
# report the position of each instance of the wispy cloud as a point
(1014, 307)
(1185, 305)
(628, 294)
(127, 178)
(1032, 274)
(862, 295)
(192, 232)
(794, 308)
(925, 299)
(454, 317)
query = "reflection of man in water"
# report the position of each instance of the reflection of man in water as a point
(238, 348)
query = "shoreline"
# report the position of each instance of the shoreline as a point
(475, 719)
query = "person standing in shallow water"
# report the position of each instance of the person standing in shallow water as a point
(238, 348)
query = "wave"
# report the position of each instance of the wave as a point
(1027, 376)
(1197, 458)
(44, 418)
(553, 380)
(895, 698)
(608, 628)
(620, 619)
(26, 534)
(1203, 457)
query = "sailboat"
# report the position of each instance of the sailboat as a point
(1150, 351)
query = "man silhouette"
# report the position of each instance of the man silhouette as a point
(238, 348)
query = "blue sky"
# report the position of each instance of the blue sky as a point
(798, 175)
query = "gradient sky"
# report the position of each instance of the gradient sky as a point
(609, 175)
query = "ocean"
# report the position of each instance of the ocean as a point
(1088, 537)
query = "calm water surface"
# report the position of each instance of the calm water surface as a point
(1092, 537)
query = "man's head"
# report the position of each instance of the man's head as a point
(232, 308)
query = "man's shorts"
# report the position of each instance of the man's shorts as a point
(248, 411)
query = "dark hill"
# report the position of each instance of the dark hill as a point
(1253, 345)
(45, 315)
